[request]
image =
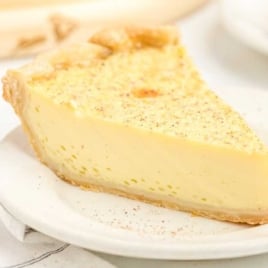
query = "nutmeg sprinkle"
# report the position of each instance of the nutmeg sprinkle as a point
(153, 88)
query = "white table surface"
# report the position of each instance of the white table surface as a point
(223, 61)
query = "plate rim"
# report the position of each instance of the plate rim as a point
(176, 251)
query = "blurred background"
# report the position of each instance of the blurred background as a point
(227, 39)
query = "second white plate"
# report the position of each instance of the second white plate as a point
(247, 21)
(107, 223)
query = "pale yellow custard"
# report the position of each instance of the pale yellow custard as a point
(127, 113)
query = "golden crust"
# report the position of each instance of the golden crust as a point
(14, 92)
(233, 216)
(135, 38)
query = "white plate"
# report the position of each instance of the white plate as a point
(111, 224)
(247, 20)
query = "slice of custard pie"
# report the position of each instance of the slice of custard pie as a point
(127, 113)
